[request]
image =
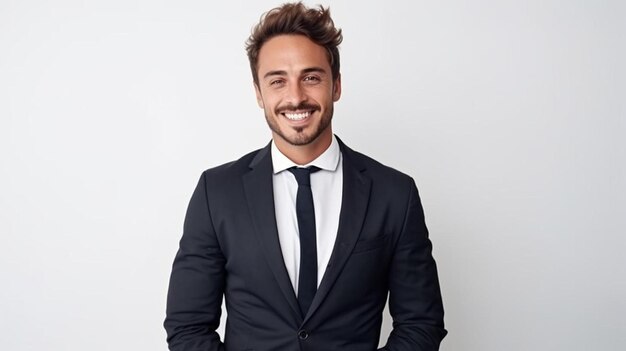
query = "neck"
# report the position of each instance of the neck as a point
(303, 154)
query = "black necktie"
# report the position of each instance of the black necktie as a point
(307, 285)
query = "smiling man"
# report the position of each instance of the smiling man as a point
(304, 238)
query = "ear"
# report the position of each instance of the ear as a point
(337, 88)
(259, 97)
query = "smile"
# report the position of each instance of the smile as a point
(297, 116)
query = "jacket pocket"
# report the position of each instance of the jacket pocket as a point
(370, 244)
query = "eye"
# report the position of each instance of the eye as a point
(312, 79)
(277, 83)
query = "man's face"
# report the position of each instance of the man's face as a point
(296, 90)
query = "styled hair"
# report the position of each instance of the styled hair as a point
(295, 18)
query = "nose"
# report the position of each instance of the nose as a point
(295, 94)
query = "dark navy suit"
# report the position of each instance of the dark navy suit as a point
(230, 248)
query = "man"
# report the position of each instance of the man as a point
(305, 256)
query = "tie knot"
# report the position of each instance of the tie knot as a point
(303, 175)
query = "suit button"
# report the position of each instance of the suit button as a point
(303, 335)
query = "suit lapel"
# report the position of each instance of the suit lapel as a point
(355, 199)
(260, 197)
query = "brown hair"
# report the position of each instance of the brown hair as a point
(295, 18)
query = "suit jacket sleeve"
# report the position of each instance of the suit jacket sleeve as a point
(196, 288)
(415, 301)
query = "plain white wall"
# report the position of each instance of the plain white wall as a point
(510, 115)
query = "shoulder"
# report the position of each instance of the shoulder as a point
(232, 170)
(391, 191)
(376, 170)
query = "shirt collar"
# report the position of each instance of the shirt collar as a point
(328, 160)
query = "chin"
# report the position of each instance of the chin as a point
(300, 140)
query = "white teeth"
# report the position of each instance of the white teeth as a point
(297, 116)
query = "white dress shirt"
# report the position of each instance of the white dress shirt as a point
(327, 189)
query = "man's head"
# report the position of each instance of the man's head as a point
(294, 58)
(296, 19)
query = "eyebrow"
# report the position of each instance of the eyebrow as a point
(284, 73)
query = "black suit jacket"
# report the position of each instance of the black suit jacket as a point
(230, 248)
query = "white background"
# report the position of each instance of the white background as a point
(510, 115)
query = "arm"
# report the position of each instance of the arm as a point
(414, 297)
(196, 288)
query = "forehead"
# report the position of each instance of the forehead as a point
(291, 53)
